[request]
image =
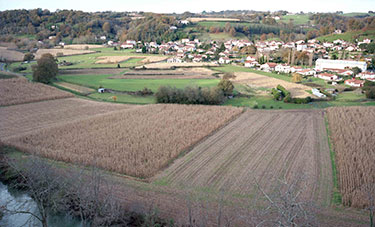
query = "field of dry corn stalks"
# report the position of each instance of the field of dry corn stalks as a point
(20, 90)
(353, 136)
(138, 141)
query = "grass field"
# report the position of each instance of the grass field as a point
(261, 145)
(94, 81)
(297, 19)
(123, 98)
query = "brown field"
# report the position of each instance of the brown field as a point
(353, 137)
(259, 145)
(165, 65)
(20, 90)
(82, 46)
(66, 52)
(77, 88)
(118, 59)
(25, 118)
(10, 55)
(138, 141)
(198, 19)
(257, 80)
(180, 73)
(90, 71)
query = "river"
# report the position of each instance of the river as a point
(15, 199)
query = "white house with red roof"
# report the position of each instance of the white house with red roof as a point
(251, 63)
(268, 67)
(328, 77)
(366, 75)
(354, 83)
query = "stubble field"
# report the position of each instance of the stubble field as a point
(353, 136)
(138, 141)
(260, 146)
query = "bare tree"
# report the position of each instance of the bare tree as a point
(286, 206)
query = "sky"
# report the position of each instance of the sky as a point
(196, 6)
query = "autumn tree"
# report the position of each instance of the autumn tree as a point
(28, 57)
(46, 69)
(106, 27)
(297, 78)
(226, 86)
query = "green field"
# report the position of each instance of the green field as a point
(95, 81)
(220, 24)
(298, 19)
(350, 36)
(358, 14)
(123, 98)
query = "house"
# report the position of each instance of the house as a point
(322, 64)
(366, 75)
(268, 67)
(173, 28)
(103, 37)
(283, 68)
(317, 93)
(185, 22)
(185, 40)
(197, 58)
(301, 47)
(328, 77)
(174, 60)
(224, 60)
(307, 72)
(251, 63)
(354, 83)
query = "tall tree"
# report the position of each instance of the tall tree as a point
(46, 69)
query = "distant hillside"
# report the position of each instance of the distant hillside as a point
(350, 36)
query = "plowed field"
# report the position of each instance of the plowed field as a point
(261, 145)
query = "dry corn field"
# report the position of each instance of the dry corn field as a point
(65, 52)
(353, 137)
(76, 88)
(180, 73)
(10, 55)
(166, 65)
(21, 119)
(260, 145)
(257, 80)
(137, 141)
(118, 59)
(20, 90)
(82, 46)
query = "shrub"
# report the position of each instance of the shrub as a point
(19, 68)
(288, 99)
(28, 57)
(190, 95)
(263, 107)
(144, 92)
(284, 92)
(370, 93)
(277, 95)
(255, 106)
(271, 107)
(226, 86)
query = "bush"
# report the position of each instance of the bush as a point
(28, 57)
(288, 99)
(284, 92)
(255, 106)
(276, 94)
(19, 68)
(271, 107)
(263, 107)
(190, 95)
(226, 86)
(144, 92)
(370, 93)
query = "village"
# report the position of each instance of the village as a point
(351, 71)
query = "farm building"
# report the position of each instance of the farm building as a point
(268, 67)
(317, 93)
(322, 64)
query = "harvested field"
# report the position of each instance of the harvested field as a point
(259, 145)
(198, 19)
(257, 80)
(353, 136)
(137, 142)
(82, 46)
(77, 88)
(10, 55)
(165, 65)
(25, 118)
(66, 52)
(97, 71)
(180, 73)
(20, 90)
(118, 59)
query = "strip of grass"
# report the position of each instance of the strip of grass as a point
(95, 81)
(123, 98)
(336, 196)
(267, 101)
(6, 76)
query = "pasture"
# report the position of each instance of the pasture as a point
(165, 65)
(259, 146)
(198, 19)
(297, 19)
(138, 141)
(352, 133)
(20, 90)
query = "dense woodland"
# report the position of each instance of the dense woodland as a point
(27, 27)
